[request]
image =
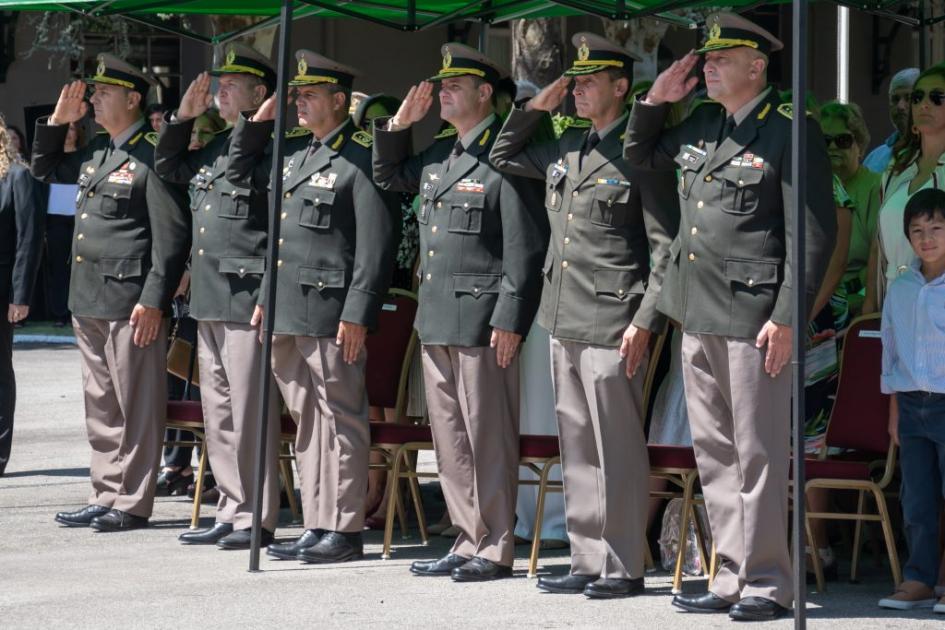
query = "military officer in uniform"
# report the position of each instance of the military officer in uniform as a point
(729, 286)
(336, 254)
(132, 233)
(481, 240)
(610, 236)
(227, 264)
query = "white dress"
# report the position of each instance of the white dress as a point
(537, 417)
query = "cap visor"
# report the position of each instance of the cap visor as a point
(110, 81)
(712, 47)
(575, 71)
(298, 82)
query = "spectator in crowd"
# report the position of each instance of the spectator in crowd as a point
(21, 229)
(19, 142)
(374, 106)
(155, 114)
(917, 164)
(900, 91)
(913, 333)
(847, 138)
(60, 224)
(206, 126)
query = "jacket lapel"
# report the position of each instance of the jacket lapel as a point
(469, 160)
(608, 150)
(116, 159)
(743, 135)
(322, 157)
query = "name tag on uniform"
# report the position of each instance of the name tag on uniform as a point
(693, 154)
(323, 181)
(613, 182)
(121, 176)
(470, 186)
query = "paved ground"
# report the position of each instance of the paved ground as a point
(63, 578)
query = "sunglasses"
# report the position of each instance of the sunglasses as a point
(841, 140)
(937, 97)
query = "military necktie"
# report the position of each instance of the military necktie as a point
(107, 153)
(457, 151)
(727, 128)
(592, 141)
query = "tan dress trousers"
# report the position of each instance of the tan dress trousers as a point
(125, 409)
(229, 356)
(473, 405)
(740, 420)
(328, 400)
(604, 460)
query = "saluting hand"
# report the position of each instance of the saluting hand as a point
(674, 83)
(550, 96)
(71, 106)
(146, 321)
(778, 338)
(633, 347)
(196, 99)
(351, 337)
(415, 106)
(506, 344)
(266, 111)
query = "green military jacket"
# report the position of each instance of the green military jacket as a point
(338, 231)
(132, 230)
(731, 263)
(228, 254)
(482, 237)
(611, 228)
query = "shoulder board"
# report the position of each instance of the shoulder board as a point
(151, 137)
(449, 132)
(362, 138)
(101, 132)
(787, 110)
(579, 123)
(297, 132)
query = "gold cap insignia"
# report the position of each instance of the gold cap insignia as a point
(230, 57)
(447, 60)
(716, 31)
(583, 52)
(100, 70)
(303, 66)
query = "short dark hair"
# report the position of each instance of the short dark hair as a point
(154, 108)
(924, 204)
(616, 74)
(335, 88)
(477, 81)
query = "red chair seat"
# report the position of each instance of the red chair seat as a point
(667, 456)
(390, 433)
(835, 469)
(185, 411)
(539, 446)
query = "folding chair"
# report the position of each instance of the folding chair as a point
(858, 425)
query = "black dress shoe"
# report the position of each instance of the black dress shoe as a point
(172, 483)
(702, 603)
(443, 566)
(81, 518)
(208, 536)
(480, 570)
(241, 538)
(568, 584)
(334, 547)
(290, 550)
(118, 521)
(612, 588)
(757, 609)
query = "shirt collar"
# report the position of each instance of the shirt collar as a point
(331, 134)
(606, 130)
(126, 135)
(915, 269)
(748, 107)
(473, 133)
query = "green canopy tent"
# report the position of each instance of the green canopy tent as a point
(418, 15)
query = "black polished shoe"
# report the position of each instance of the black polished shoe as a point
(208, 536)
(702, 603)
(757, 609)
(567, 584)
(334, 547)
(81, 518)
(118, 521)
(241, 539)
(480, 570)
(290, 550)
(612, 588)
(172, 483)
(442, 567)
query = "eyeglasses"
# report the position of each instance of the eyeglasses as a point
(937, 97)
(841, 140)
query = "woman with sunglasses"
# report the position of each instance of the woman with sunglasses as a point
(847, 139)
(918, 163)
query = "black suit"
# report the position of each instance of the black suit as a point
(21, 240)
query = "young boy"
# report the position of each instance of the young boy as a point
(913, 333)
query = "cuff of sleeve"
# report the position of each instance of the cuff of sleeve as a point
(782, 307)
(153, 294)
(361, 308)
(511, 313)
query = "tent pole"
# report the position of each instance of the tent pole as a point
(843, 54)
(272, 254)
(799, 318)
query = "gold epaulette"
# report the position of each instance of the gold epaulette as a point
(787, 110)
(363, 138)
(151, 137)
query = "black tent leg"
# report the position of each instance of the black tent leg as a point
(275, 209)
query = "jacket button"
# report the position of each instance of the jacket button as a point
(570, 216)
(210, 187)
(200, 252)
(232, 193)
(279, 263)
(610, 202)
(475, 289)
(120, 276)
(429, 276)
(78, 259)
(567, 240)
(288, 195)
(320, 284)
(430, 253)
(692, 256)
(242, 270)
(466, 204)
(281, 241)
(700, 204)
(439, 204)
(708, 178)
(741, 182)
(207, 207)
(91, 193)
(285, 214)
(574, 193)
(202, 230)
(80, 237)
(564, 264)
(694, 231)
(750, 281)
(433, 229)
(619, 291)
(84, 215)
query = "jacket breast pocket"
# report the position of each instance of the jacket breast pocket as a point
(321, 279)
(234, 204)
(617, 284)
(120, 269)
(476, 284)
(466, 213)
(317, 205)
(610, 205)
(741, 189)
(113, 201)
